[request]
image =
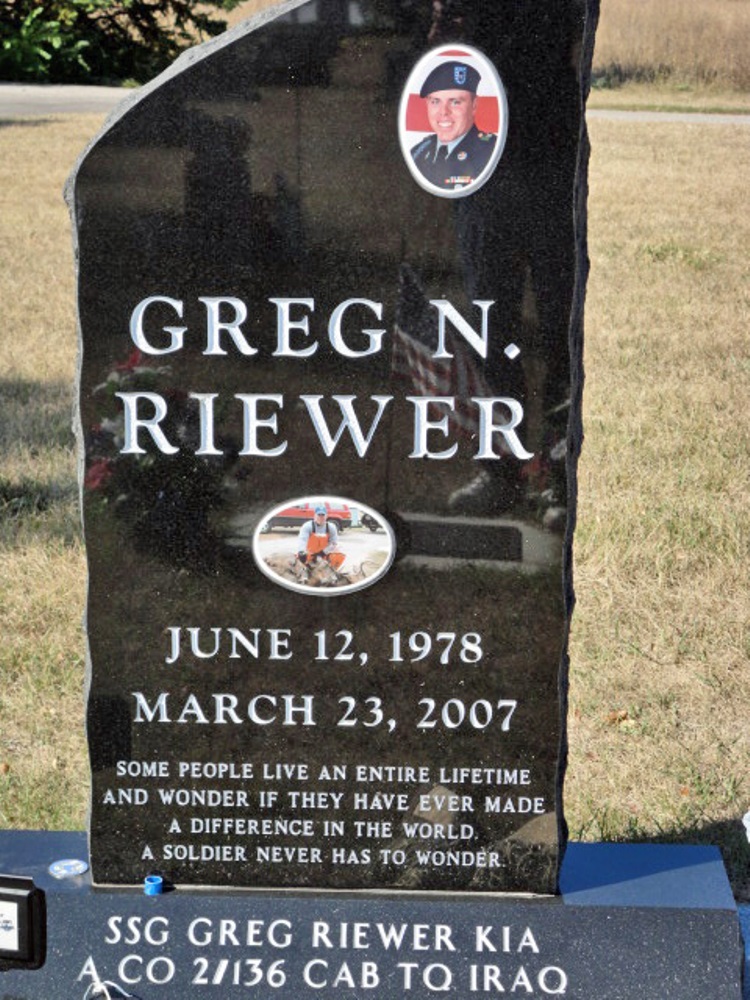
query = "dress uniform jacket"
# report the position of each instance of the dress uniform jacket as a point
(464, 164)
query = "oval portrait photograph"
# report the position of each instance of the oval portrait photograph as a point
(324, 546)
(453, 120)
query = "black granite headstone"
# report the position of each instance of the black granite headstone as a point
(331, 274)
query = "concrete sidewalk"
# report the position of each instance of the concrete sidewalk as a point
(684, 117)
(34, 100)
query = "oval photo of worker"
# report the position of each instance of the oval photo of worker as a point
(453, 120)
(323, 545)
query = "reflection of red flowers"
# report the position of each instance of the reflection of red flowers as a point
(98, 474)
(535, 472)
(134, 361)
(176, 395)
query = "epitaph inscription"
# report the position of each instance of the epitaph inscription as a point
(329, 450)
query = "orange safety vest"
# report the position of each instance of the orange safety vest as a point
(316, 543)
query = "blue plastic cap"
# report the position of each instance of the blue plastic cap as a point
(153, 885)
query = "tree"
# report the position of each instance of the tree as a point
(96, 40)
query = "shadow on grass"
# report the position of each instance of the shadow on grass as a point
(36, 414)
(33, 496)
(7, 122)
(612, 75)
(36, 441)
(25, 496)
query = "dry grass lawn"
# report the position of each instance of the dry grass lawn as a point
(42, 760)
(659, 730)
(683, 41)
(660, 739)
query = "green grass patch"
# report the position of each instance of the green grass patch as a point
(671, 251)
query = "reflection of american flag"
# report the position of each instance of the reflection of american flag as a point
(414, 346)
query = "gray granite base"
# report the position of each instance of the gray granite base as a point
(633, 922)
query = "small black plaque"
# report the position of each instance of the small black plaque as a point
(23, 931)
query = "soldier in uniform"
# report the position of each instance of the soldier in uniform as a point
(458, 152)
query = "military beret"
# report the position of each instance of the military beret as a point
(453, 75)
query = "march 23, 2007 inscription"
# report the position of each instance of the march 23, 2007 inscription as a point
(328, 409)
